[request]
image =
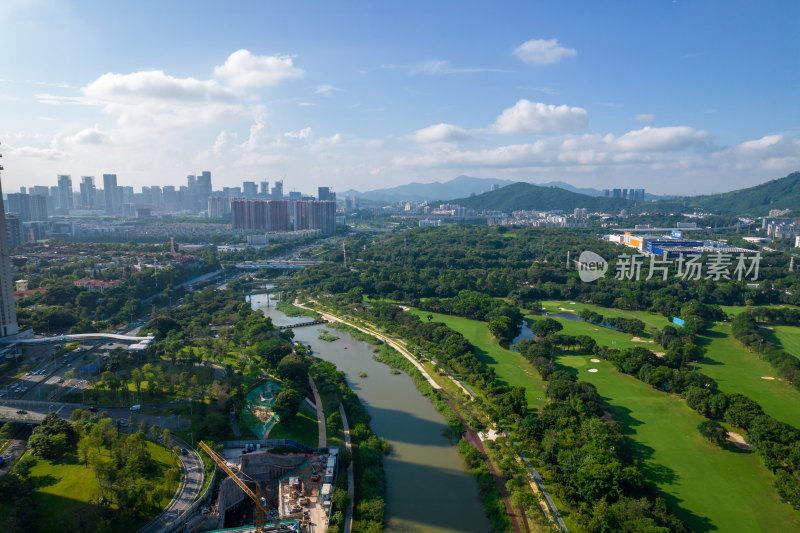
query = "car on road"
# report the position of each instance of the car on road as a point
(123, 422)
(22, 412)
(184, 452)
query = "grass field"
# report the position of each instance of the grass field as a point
(736, 369)
(604, 336)
(66, 488)
(650, 319)
(788, 338)
(511, 369)
(304, 428)
(716, 489)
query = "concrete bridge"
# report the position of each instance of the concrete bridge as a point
(137, 342)
(281, 265)
(302, 324)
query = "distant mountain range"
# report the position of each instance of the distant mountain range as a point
(420, 192)
(460, 187)
(783, 193)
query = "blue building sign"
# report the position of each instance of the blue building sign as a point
(678, 321)
(676, 234)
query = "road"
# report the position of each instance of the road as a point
(187, 493)
(375, 333)
(348, 516)
(323, 432)
(17, 446)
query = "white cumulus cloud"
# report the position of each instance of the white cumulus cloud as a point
(649, 139)
(760, 144)
(305, 133)
(156, 85)
(244, 69)
(92, 135)
(543, 51)
(536, 117)
(440, 133)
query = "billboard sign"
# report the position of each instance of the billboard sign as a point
(678, 321)
(676, 234)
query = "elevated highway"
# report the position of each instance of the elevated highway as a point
(143, 341)
(280, 265)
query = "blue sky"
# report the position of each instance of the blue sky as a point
(677, 97)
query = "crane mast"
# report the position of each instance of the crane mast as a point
(261, 503)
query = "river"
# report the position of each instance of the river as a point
(427, 487)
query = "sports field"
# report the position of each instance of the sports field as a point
(706, 482)
(716, 489)
(510, 367)
(788, 338)
(601, 335)
(562, 306)
(737, 369)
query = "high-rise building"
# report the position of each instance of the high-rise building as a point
(65, 193)
(313, 214)
(8, 314)
(219, 206)
(268, 215)
(88, 193)
(15, 230)
(323, 193)
(249, 189)
(203, 188)
(20, 204)
(277, 191)
(111, 194)
(264, 193)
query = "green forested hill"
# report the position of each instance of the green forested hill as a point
(783, 193)
(527, 196)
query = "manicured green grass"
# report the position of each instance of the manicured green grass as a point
(65, 488)
(601, 335)
(716, 489)
(737, 369)
(650, 319)
(734, 310)
(303, 429)
(509, 366)
(789, 338)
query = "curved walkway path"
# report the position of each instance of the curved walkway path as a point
(534, 475)
(351, 490)
(323, 432)
(187, 493)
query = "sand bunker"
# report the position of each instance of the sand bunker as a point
(767, 377)
(573, 303)
(594, 360)
(639, 339)
(738, 441)
(567, 310)
(660, 354)
(592, 370)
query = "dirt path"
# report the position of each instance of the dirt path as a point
(475, 440)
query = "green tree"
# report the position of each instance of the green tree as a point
(287, 404)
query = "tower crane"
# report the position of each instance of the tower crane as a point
(261, 503)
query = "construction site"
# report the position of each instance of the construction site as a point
(271, 492)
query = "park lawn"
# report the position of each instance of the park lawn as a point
(304, 428)
(650, 319)
(789, 338)
(714, 488)
(736, 369)
(510, 367)
(65, 489)
(603, 336)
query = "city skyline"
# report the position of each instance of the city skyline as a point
(681, 99)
